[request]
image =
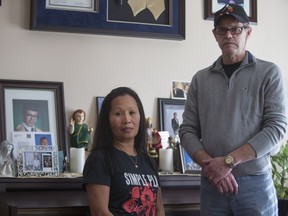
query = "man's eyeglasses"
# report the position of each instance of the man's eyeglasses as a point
(234, 31)
(31, 116)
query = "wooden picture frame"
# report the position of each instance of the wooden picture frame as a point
(211, 6)
(166, 109)
(46, 97)
(111, 17)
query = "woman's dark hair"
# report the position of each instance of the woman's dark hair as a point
(103, 138)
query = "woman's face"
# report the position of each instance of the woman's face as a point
(124, 119)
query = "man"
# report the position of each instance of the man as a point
(234, 119)
(30, 116)
(175, 123)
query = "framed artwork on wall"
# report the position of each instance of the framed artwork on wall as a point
(162, 19)
(32, 107)
(211, 6)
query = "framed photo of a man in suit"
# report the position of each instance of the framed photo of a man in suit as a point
(170, 115)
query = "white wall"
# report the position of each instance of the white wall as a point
(92, 65)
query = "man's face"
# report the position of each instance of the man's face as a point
(31, 117)
(231, 44)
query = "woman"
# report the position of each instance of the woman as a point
(119, 176)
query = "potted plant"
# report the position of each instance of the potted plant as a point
(280, 176)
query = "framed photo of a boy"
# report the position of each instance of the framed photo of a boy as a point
(32, 107)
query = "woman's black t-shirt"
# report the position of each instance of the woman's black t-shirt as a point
(133, 191)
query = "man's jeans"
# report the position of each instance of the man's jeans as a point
(256, 197)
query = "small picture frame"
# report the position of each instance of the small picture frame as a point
(170, 115)
(187, 164)
(99, 101)
(250, 6)
(37, 161)
(179, 89)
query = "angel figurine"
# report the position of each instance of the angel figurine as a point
(7, 161)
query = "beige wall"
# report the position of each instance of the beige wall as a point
(91, 65)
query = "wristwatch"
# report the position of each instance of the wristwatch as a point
(229, 161)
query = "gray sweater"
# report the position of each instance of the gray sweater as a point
(222, 114)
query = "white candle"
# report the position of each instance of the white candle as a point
(166, 160)
(77, 160)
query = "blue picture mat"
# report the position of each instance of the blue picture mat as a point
(96, 22)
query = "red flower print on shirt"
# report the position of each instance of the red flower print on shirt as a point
(143, 201)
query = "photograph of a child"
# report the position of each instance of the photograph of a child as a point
(30, 115)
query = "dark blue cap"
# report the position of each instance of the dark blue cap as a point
(234, 10)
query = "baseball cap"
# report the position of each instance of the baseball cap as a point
(234, 10)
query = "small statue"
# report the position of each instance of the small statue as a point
(7, 161)
(149, 131)
(80, 132)
(156, 140)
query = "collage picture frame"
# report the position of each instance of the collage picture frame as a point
(37, 161)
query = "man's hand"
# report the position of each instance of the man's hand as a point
(228, 184)
(220, 175)
(215, 169)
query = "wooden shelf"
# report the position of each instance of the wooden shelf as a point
(65, 196)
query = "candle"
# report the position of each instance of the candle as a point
(77, 160)
(166, 160)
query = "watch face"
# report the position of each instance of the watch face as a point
(229, 160)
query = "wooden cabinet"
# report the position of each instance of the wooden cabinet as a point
(65, 196)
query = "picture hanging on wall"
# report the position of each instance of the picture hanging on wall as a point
(163, 19)
(250, 7)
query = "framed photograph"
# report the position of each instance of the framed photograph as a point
(32, 107)
(164, 20)
(99, 101)
(179, 89)
(170, 115)
(187, 164)
(211, 6)
(37, 161)
(73, 5)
